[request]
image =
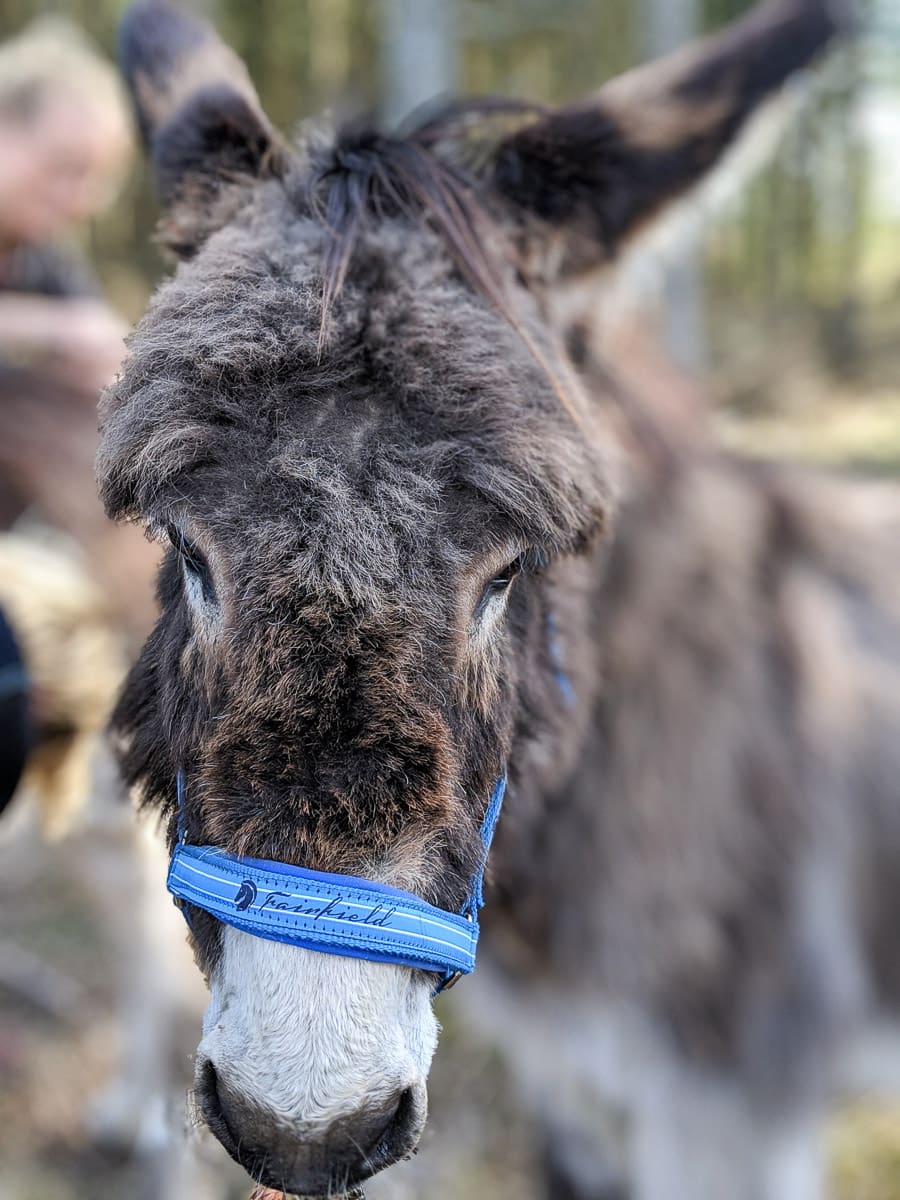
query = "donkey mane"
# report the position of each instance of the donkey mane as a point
(365, 176)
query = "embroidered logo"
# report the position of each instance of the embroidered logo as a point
(246, 894)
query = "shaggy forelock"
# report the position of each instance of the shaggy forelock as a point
(421, 390)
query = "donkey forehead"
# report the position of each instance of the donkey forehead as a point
(341, 523)
(420, 395)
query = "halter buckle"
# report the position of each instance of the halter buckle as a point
(454, 977)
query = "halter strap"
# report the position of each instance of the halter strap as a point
(334, 914)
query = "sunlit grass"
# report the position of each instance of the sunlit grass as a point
(860, 431)
(864, 1145)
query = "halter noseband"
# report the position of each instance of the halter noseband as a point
(336, 914)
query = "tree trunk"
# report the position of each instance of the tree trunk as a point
(419, 54)
(667, 25)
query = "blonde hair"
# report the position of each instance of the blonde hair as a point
(52, 56)
(52, 53)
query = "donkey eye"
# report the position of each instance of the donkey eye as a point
(499, 585)
(193, 561)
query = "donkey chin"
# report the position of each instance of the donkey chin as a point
(312, 1067)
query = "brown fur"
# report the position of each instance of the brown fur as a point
(323, 671)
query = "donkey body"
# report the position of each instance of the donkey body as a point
(711, 956)
(419, 536)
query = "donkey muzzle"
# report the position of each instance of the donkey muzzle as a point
(307, 1159)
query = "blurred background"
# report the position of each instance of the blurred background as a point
(803, 263)
(776, 298)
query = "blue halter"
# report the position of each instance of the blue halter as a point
(342, 914)
(336, 914)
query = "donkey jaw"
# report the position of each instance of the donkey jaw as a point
(312, 1067)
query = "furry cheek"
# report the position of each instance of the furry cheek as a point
(481, 668)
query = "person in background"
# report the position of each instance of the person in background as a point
(65, 142)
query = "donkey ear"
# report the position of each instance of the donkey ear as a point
(596, 172)
(206, 134)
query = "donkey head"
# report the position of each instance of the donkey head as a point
(350, 416)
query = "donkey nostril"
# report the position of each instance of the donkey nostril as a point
(404, 1114)
(208, 1088)
(207, 1092)
(393, 1139)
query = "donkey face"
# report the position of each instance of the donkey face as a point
(355, 539)
(365, 483)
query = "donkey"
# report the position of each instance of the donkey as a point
(422, 540)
